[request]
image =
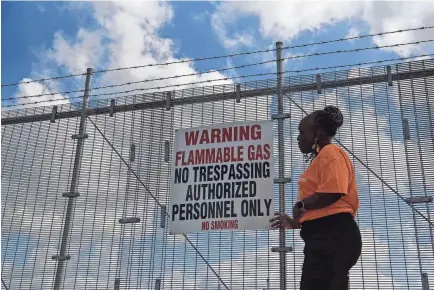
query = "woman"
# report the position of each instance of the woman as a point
(326, 206)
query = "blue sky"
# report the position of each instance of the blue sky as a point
(31, 46)
(47, 39)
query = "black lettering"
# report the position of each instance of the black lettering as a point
(203, 208)
(211, 190)
(232, 172)
(267, 205)
(219, 191)
(216, 171)
(197, 192)
(211, 209)
(227, 190)
(182, 212)
(266, 166)
(252, 188)
(252, 207)
(245, 189)
(219, 211)
(224, 169)
(209, 173)
(239, 171)
(237, 190)
(244, 208)
(196, 214)
(246, 171)
(202, 174)
(188, 213)
(233, 213)
(195, 169)
(227, 208)
(175, 211)
(189, 193)
(181, 175)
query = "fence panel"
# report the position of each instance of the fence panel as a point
(37, 159)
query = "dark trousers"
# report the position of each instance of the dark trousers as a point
(333, 245)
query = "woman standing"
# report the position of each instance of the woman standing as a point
(327, 204)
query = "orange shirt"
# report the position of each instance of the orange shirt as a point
(331, 171)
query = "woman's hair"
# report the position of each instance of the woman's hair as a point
(329, 120)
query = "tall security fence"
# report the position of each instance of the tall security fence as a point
(113, 198)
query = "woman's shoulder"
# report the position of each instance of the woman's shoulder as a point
(331, 152)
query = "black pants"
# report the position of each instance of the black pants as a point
(333, 245)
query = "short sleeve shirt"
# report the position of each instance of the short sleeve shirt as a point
(331, 171)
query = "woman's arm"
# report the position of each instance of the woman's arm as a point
(315, 201)
(333, 185)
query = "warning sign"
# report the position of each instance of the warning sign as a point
(222, 178)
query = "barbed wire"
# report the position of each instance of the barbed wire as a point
(96, 88)
(39, 102)
(230, 55)
(46, 79)
(225, 69)
(359, 63)
(211, 71)
(242, 76)
(267, 50)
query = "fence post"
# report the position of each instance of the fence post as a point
(74, 182)
(281, 155)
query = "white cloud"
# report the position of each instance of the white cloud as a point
(229, 41)
(36, 88)
(85, 51)
(285, 20)
(353, 32)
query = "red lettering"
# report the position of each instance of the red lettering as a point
(256, 132)
(211, 155)
(179, 156)
(258, 152)
(205, 226)
(239, 156)
(199, 154)
(227, 153)
(205, 137)
(190, 159)
(251, 152)
(244, 133)
(267, 153)
(228, 134)
(224, 225)
(219, 157)
(191, 137)
(215, 136)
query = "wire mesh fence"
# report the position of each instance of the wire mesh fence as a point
(38, 156)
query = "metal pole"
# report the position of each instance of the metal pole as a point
(281, 155)
(72, 194)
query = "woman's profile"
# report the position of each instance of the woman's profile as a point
(326, 205)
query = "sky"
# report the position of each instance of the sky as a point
(48, 39)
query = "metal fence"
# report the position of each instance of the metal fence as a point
(124, 175)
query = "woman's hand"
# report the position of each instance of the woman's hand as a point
(283, 221)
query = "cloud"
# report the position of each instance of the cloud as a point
(36, 88)
(286, 20)
(353, 32)
(237, 39)
(85, 51)
(122, 37)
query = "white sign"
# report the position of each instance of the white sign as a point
(222, 178)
